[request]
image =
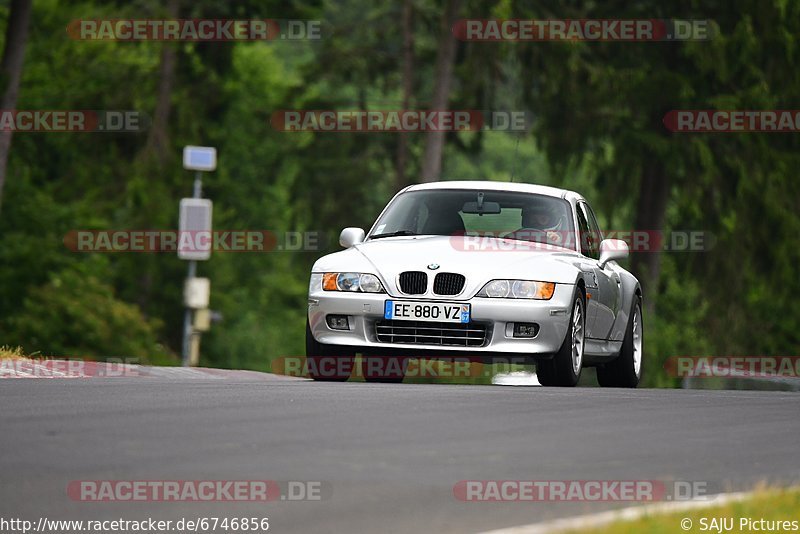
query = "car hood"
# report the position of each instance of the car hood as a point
(478, 259)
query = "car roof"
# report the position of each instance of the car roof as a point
(497, 186)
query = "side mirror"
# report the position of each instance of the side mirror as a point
(612, 249)
(351, 236)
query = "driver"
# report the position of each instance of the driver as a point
(542, 222)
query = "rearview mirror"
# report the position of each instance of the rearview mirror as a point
(351, 236)
(612, 249)
(487, 207)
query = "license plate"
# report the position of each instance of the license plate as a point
(445, 312)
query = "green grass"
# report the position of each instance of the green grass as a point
(767, 504)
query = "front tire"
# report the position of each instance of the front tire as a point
(626, 370)
(564, 369)
(327, 363)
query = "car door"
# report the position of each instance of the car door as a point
(605, 298)
(589, 267)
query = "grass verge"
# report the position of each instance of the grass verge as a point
(765, 511)
(12, 353)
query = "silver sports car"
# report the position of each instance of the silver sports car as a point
(487, 271)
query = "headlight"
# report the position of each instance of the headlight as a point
(370, 284)
(497, 288)
(353, 282)
(347, 281)
(518, 289)
(524, 289)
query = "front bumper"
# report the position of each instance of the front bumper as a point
(497, 315)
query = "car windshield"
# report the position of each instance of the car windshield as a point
(500, 214)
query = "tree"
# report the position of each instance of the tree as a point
(11, 72)
(408, 88)
(158, 138)
(443, 81)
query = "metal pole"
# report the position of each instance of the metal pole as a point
(198, 185)
(192, 272)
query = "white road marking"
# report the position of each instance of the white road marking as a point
(515, 378)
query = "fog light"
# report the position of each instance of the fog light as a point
(525, 329)
(338, 322)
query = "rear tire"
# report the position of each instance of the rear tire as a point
(626, 370)
(564, 369)
(327, 363)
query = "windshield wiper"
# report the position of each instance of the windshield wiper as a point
(394, 234)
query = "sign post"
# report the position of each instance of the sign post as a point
(195, 217)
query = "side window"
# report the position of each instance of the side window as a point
(590, 245)
(593, 224)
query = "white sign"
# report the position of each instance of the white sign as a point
(196, 293)
(199, 158)
(194, 229)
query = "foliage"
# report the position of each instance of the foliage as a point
(77, 315)
(597, 129)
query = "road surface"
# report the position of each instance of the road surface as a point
(388, 456)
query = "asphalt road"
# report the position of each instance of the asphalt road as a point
(388, 455)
